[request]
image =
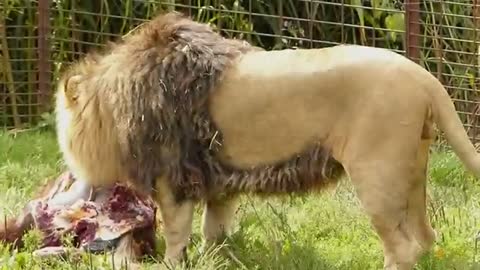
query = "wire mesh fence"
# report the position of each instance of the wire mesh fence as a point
(18, 69)
(38, 38)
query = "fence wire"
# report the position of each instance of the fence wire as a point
(39, 38)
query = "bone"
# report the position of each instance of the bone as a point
(80, 190)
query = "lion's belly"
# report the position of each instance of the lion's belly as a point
(266, 137)
(265, 125)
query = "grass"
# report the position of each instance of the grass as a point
(326, 231)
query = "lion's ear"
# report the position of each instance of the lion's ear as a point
(70, 87)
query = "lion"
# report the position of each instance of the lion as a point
(193, 117)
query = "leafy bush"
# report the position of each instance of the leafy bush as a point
(448, 46)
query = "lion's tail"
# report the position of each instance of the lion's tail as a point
(446, 118)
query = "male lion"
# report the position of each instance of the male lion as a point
(196, 117)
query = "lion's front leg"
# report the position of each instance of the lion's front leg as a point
(218, 217)
(177, 220)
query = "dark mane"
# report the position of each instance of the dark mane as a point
(165, 71)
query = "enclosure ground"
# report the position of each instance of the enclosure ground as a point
(323, 231)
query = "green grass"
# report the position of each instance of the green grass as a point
(326, 231)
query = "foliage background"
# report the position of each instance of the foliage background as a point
(448, 41)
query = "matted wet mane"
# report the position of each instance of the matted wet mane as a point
(171, 66)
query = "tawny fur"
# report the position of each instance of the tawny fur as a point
(148, 97)
(178, 108)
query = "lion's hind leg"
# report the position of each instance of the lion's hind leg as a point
(392, 193)
(387, 206)
(424, 233)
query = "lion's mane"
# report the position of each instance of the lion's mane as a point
(157, 82)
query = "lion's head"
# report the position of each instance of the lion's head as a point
(106, 98)
(140, 108)
(85, 128)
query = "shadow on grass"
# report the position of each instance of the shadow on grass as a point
(276, 253)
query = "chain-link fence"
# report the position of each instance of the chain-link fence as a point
(37, 38)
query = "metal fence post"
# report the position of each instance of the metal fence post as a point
(412, 21)
(43, 55)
